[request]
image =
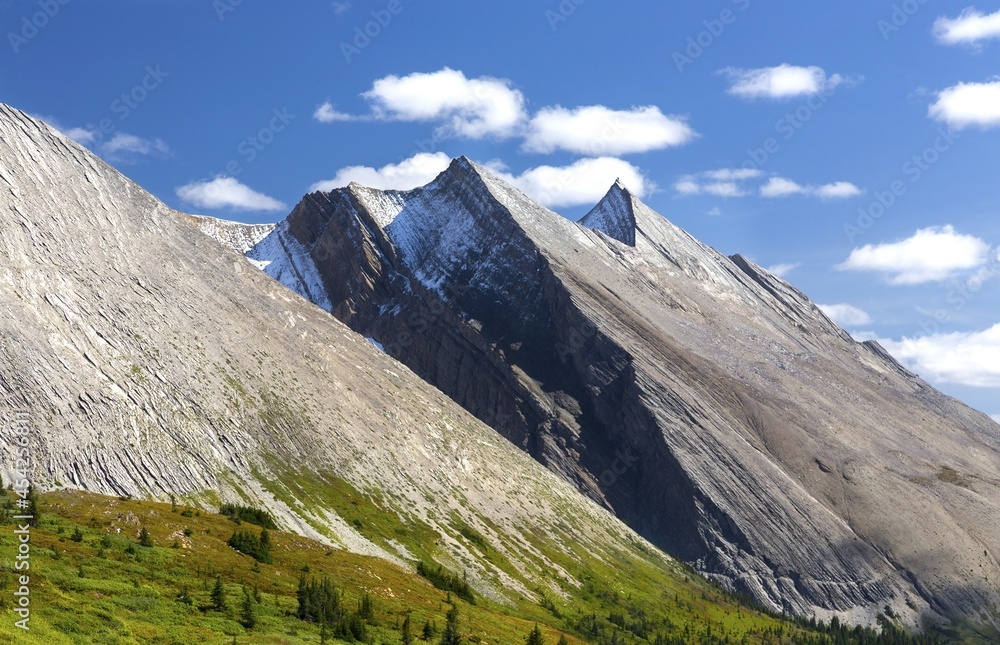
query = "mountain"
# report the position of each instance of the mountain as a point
(151, 362)
(709, 404)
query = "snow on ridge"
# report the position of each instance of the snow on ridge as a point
(285, 259)
(237, 236)
(384, 206)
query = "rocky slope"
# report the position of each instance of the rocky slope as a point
(151, 361)
(706, 402)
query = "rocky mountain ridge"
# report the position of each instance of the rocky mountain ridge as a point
(151, 361)
(711, 405)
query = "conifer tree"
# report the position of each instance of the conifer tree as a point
(145, 539)
(219, 595)
(535, 637)
(451, 635)
(406, 636)
(248, 613)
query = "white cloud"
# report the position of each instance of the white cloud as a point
(724, 182)
(782, 187)
(227, 192)
(838, 190)
(968, 104)
(597, 130)
(83, 136)
(723, 189)
(732, 174)
(326, 113)
(995, 417)
(969, 28)
(715, 211)
(583, 182)
(473, 108)
(341, 7)
(846, 315)
(123, 145)
(931, 255)
(415, 171)
(965, 358)
(780, 82)
(782, 270)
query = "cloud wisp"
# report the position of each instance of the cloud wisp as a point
(781, 81)
(846, 315)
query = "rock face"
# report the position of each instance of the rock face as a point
(706, 402)
(149, 360)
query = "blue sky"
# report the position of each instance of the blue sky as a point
(853, 146)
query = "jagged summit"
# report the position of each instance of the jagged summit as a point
(614, 215)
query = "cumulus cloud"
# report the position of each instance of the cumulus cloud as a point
(415, 171)
(932, 254)
(780, 82)
(597, 130)
(122, 143)
(846, 315)
(227, 192)
(968, 104)
(782, 270)
(838, 190)
(782, 187)
(475, 108)
(969, 28)
(964, 358)
(327, 113)
(583, 182)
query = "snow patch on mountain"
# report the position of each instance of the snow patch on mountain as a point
(235, 235)
(282, 257)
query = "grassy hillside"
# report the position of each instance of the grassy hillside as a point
(92, 582)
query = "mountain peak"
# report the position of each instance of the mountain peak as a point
(614, 215)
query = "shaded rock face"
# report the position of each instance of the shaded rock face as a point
(708, 403)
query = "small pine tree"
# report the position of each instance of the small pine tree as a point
(145, 539)
(451, 635)
(535, 637)
(32, 510)
(406, 636)
(219, 596)
(428, 631)
(563, 640)
(77, 535)
(366, 607)
(248, 612)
